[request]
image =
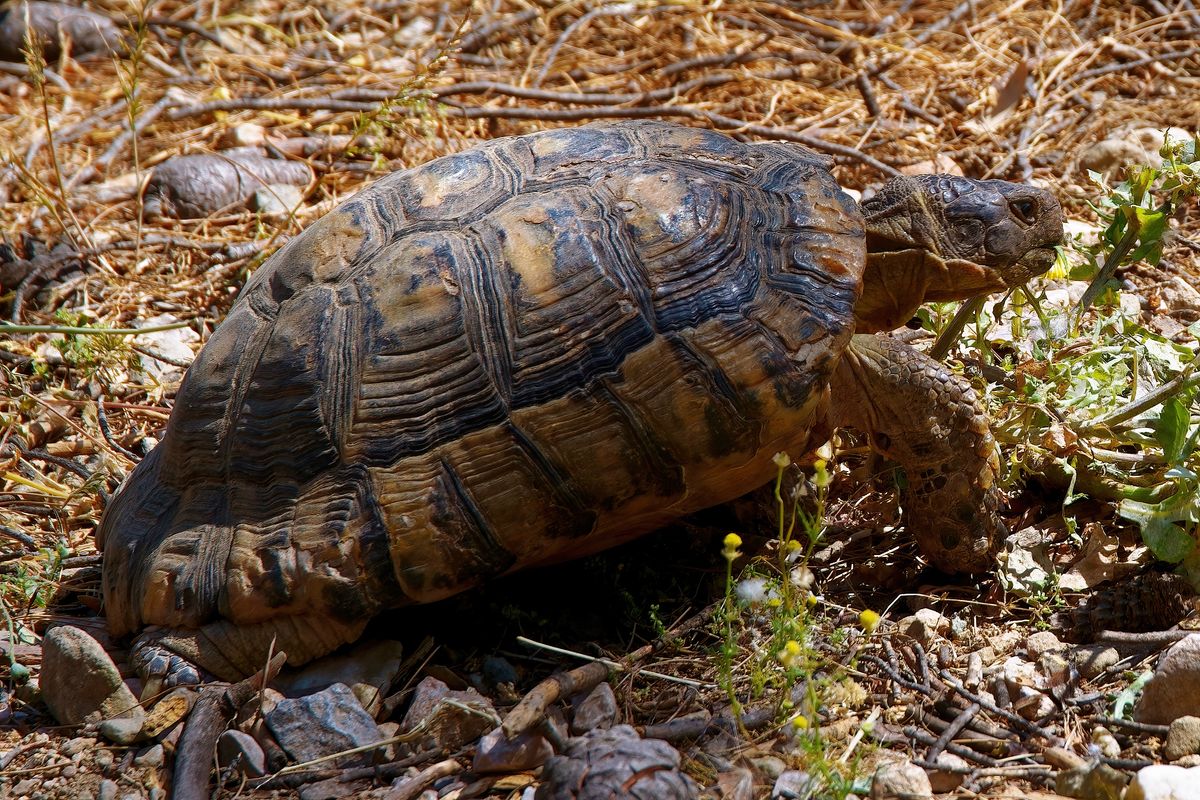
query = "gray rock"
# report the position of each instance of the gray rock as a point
(499, 671)
(596, 711)
(152, 757)
(792, 783)
(1183, 738)
(195, 186)
(1165, 782)
(79, 682)
(1054, 668)
(241, 750)
(900, 780)
(174, 344)
(496, 753)
(369, 670)
(276, 758)
(336, 788)
(735, 784)
(107, 790)
(1041, 643)
(1091, 781)
(924, 626)
(951, 776)
(87, 32)
(1094, 659)
(121, 730)
(245, 134)
(322, 724)
(278, 199)
(25, 787)
(77, 745)
(1136, 146)
(450, 718)
(769, 767)
(1174, 691)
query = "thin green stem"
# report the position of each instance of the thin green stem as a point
(1116, 257)
(949, 336)
(6, 327)
(1180, 383)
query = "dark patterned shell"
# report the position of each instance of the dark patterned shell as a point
(526, 352)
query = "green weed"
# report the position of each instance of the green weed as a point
(1098, 403)
(770, 651)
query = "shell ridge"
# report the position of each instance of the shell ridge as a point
(556, 480)
(487, 318)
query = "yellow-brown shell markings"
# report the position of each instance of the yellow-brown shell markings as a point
(520, 354)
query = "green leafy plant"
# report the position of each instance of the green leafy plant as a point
(1100, 404)
(95, 352)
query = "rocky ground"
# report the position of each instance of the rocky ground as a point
(851, 671)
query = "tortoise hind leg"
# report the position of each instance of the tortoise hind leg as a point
(930, 421)
(229, 651)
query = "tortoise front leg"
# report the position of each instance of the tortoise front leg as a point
(165, 657)
(930, 421)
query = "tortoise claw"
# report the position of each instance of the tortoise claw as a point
(159, 668)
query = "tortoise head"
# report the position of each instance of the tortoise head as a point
(941, 237)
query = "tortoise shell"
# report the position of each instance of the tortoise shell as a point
(526, 352)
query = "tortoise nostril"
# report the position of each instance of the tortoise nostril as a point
(1025, 209)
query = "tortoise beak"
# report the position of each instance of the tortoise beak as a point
(1036, 261)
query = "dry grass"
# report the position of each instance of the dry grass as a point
(1001, 89)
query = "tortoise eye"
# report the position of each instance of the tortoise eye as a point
(1025, 210)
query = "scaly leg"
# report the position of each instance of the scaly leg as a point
(169, 657)
(921, 415)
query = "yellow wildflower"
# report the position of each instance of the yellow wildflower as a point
(732, 543)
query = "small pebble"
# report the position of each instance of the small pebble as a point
(278, 199)
(1091, 780)
(1093, 659)
(242, 748)
(597, 710)
(26, 786)
(108, 788)
(900, 780)
(322, 724)
(495, 753)
(1183, 738)
(498, 670)
(792, 783)
(104, 759)
(122, 730)
(77, 745)
(1040, 643)
(769, 767)
(951, 776)
(152, 757)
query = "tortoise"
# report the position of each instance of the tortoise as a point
(540, 348)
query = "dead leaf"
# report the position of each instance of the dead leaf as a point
(1098, 563)
(1013, 89)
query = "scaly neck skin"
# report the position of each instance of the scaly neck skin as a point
(898, 282)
